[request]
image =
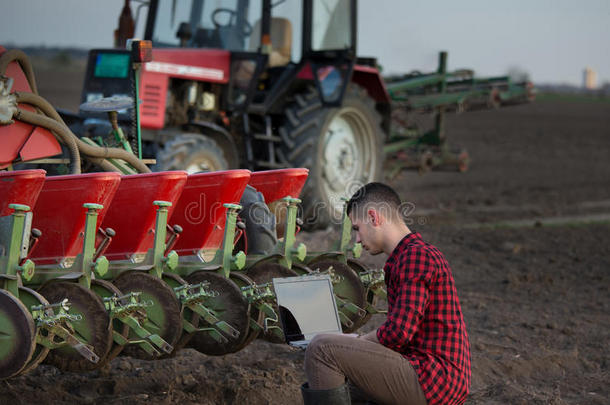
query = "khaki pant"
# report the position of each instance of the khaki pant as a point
(379, 374)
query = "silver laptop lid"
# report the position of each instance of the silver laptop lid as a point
(307, 306)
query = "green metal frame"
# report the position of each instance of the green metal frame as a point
(84, 268)
(159, 263)
(53, 322)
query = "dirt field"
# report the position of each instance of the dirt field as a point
(526, 231)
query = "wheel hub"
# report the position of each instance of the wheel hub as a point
(348, 160)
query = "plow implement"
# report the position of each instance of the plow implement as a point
(420, 102)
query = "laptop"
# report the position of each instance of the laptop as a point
(307, 307)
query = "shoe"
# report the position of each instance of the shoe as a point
(335, 396)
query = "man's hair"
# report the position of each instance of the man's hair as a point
(376, 195)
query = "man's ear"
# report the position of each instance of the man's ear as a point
(374, 217)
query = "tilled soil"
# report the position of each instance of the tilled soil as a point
(526, 232)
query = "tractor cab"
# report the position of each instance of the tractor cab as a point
(273, 40)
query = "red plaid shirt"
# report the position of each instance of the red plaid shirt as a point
(425, 322)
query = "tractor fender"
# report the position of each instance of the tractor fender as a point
(370, 79)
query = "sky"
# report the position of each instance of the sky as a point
(552, 40)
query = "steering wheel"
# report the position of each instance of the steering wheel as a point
(232, 14)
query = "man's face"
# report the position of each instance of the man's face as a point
(367, 232)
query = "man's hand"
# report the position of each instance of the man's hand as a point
(371, 336)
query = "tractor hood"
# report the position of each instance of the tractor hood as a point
(195, 64)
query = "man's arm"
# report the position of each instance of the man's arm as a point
(406, 312)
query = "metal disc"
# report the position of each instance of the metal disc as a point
(371, 297)
(301, 269)
(242, 280)
(229, 306)
(105, 289)
(114, 103)
(94, 328)
(17, 335)
(350, 288)
(265, 272)
(163, 310)
(174, 280)
(30, 298)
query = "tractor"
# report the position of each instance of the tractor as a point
(262, 84)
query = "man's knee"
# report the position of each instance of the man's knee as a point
(317, 344)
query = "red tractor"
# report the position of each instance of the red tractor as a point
(254, 84)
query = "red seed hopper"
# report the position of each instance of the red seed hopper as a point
(132, 215)
(22, 187)
(200, 211)
(60, 215)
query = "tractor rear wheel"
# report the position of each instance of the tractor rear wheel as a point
(193, 153)
(341, 147)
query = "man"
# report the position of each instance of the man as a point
(420, 354)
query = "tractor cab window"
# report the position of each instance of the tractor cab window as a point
(219, 24)
(286, 30)
(331, 25)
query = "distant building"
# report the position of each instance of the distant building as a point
(589, 79)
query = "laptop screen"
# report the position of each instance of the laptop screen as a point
(307, 306)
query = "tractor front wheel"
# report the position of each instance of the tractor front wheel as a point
(193, 153)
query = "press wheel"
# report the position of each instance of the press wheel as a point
(350, 288)
(242, 281)
(265, 272)
(30, 298)
(17, 335)
(301, 269)
(106, 289)
(94, 328)
(371, 297)
(164, 316)
(229, 306)
(174, 280)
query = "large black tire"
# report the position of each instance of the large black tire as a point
(193, 153)
(341, 147)
(260, 223)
